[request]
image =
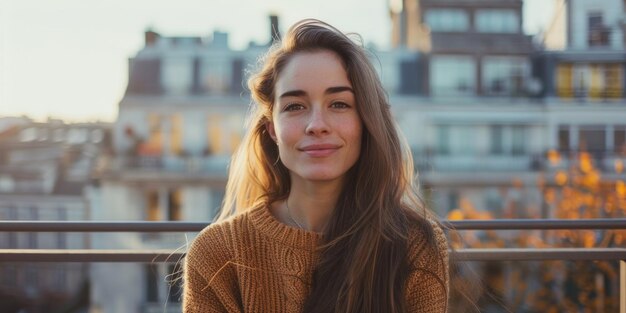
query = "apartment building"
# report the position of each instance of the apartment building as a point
(181, 118)
(45, 174)
(474, 119)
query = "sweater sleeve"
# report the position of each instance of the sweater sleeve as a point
(428, 283)
(210, 284)
(198, 296)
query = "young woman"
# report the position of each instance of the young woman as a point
(320, 213)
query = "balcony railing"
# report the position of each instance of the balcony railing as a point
(168, 163)
(172, 256)
(604, 160)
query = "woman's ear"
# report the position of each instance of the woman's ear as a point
(269, 126)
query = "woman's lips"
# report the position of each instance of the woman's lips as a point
(320, 150)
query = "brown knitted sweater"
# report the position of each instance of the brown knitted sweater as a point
(254, 263)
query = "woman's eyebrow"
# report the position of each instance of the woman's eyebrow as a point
(338, 89)
(329, 90)
(293, 93)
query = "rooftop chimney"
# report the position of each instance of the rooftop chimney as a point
(151, 37)
(274, 30)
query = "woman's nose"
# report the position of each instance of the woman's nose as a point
(317, 123)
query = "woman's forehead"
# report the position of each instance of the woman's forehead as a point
(311, 70)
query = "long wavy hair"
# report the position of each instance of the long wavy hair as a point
(363, 260)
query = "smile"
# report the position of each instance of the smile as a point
(321, 150)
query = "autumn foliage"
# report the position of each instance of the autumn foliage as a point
(571, 187)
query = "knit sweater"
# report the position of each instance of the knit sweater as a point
(254, 263)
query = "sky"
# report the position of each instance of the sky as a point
(68, 59)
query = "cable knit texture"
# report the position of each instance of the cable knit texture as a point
(254, 263)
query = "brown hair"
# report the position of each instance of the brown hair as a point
(363, 263)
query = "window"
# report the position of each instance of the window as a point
(214, 135)
(605, 81)
(504, 75)
(497, 21)
(223, 134)
(619, 140)
(217, 196)
(238, 76)
(174, 205)
(518, 136)
(447, 20)
(493, 200)
(31, 277)
(7, 183)
(597, 34)
(592, 139)
(153, 146)
(153, 212)
(97, 135)
(77, 136)
(58, 135)
(215, 74)
(594, 20)
(176, 134)
(595, 80)
(497, 144)
(152, 281)
(564, 80)
(155, 209)
(28, 134)
(580, 80)
(564, 138)
(443, 139)
(453, 75)
(612, 81)
(59, 279)
(9, 275)
(177, 75)
(453, 200)
(463, 140)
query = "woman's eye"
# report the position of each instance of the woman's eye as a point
(293, 107)
(340, 105)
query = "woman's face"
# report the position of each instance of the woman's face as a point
(315, 120)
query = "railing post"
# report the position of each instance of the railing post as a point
(622, 286)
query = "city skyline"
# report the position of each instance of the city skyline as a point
(68, 59)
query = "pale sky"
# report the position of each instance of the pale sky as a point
(68, 59)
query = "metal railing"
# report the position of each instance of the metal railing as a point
(165, 255)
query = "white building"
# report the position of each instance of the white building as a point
(45, 171)
(180, 120)
(584, 25)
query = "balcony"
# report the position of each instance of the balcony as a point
(604, 94)
(164, 167)
(475, 163)
(608, 162)
(495, 164)
(462, 255)
(211, 164)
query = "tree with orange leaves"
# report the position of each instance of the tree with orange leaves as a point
(572, 188)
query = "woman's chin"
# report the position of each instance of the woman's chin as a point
(321, 176)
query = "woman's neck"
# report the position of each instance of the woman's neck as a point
(311, 204)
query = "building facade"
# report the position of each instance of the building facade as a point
(180, 120)
(496, 116)
(45, 174)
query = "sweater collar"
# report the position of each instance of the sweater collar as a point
(267, 224)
